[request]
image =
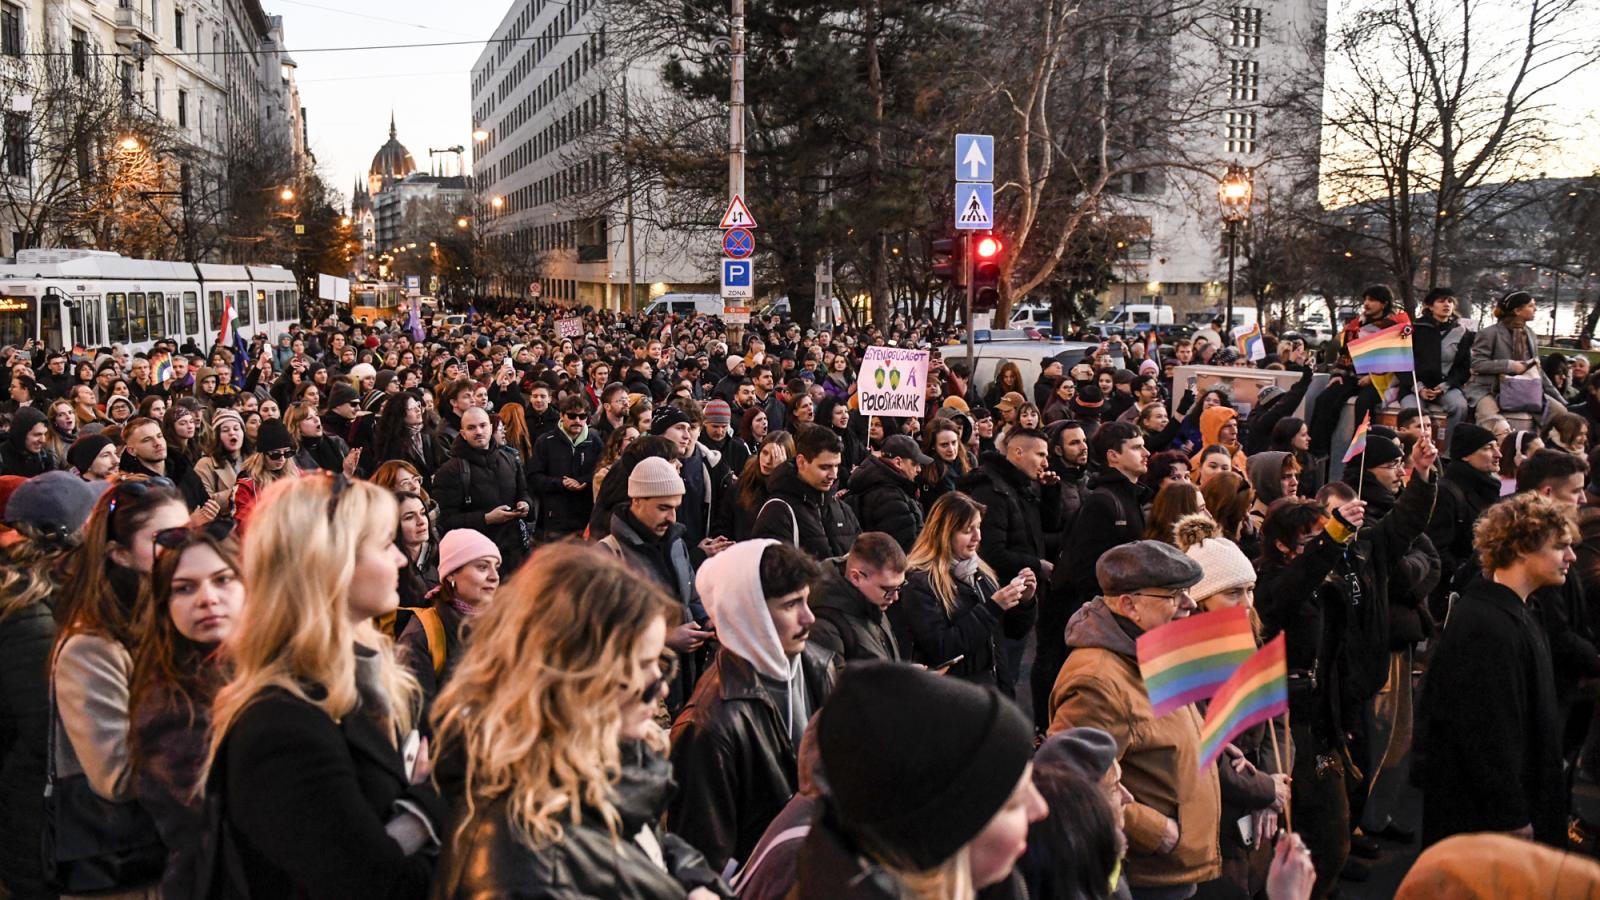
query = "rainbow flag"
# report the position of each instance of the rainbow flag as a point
(1250, 342)
(160, 368)
(1188, 659)
(1384, 351)
(1257, 691)
(1358, 441)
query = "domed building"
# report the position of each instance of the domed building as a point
(391, 163)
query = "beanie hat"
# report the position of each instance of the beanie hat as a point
(1467, 439)
(734, 361)
(654, 477)
(363, 370)
(342, 393)
(462, 546)
(1380, 451)
(1223, 566)
(666, 417)
(381, 383)
(958, 751)
(225, 415)
(1087, 751)
(83, 451)
(54, 501)
(1149, 367)
(718, 412)
(272, 435)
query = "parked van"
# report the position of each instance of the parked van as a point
(686, 304)
(1133, 318)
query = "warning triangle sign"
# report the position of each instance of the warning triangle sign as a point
(738, 215)
(974, 213)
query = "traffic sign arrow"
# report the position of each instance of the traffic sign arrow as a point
(974, 160)
(975, 157)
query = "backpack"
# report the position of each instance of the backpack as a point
(792, 517)
(394, 625)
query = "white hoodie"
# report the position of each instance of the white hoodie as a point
(730, 587)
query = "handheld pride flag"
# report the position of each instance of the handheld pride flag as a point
(1250, 342)
(1383, 352)
(1258, 691)
(1188, 659)
(1358, 441)
(160, 368)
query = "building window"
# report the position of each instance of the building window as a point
(1244, 79)
(1246, 26)
(10, 29)
(128, 73)
(177, 28)
(80, 53)
(183, 108)
(156, 99)
(16, 144)
(1241, 132)
(1139, 183)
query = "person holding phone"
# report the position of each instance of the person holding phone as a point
(483, 487)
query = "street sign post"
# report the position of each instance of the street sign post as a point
(738, 279)
(975, 157)
(974, 206)
(737, 216)
(738, 243)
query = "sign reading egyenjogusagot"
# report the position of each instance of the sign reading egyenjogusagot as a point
(570, 327)
(893, 382)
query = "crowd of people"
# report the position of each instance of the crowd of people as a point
(654, 610)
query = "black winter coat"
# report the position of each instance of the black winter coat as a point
(886, 500)
(1489, 734)
(1013, 531)
(847, 623)
(326, 453)
(305, 800)
(1257, 434)
(975, 631)
(1112, 514)
(733, 757)
(563, 512)
(1464, 493)
(26, 637)
(476, 481)
(14, 456)
(489, 860)
(826, 525)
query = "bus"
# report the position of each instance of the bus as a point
(372, 301)
(93, 298)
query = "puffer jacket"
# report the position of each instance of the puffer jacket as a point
(26, 636)
(931, 636)
(488, 859)
(556, 456)
(733, 756)
(1013, 525)
(825, 524)
(476, 481)
(847, 623)
(886, 500)
(1100, 687)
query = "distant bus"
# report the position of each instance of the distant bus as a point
(371, 301)
(91, 298)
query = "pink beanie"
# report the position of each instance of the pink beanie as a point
(462, 546)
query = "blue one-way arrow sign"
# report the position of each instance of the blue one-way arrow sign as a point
(975, 157)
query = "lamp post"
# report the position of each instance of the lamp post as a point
(1233, 192)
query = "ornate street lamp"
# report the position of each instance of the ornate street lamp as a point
(1233, 192)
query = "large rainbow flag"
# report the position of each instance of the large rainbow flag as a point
(1257, 691)
(1384, 351)
(1188, 659)
(1358, 441)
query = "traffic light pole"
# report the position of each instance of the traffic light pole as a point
(966, 269)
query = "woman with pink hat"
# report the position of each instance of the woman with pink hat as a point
(469, 574)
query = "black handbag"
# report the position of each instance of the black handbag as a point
(90, 843)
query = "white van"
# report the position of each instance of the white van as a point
(685, 304)
(1133, 318)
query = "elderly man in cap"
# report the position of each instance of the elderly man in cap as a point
(1172, 823)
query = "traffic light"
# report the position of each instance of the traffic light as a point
(947, 262)
(986, 272)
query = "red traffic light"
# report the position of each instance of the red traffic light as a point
(988, 248)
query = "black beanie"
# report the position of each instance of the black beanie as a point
(917, 764)
(83, 451)
(665, 417)
(273, 435)
(1381, 451)
(1467, 439)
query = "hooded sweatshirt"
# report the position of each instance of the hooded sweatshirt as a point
(1266, 475)
(1211, 422)
(730, 587)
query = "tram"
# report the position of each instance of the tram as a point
(93, 298)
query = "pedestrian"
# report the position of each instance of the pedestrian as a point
(946, 441)
(190, 606)
(430, 646)
(1442, 348)
(1470, 484)
(803, 508)
(1007, 485)
(401, 434)
(562, 470)
(1489, 720)
(563, 785)
(416, 539)
(955, 614)
(25, 451)
(1172, 824)
(483, 487)
(851, 600)
(309, 744)
(913, 808)
(1509, 348)
(883, 490)
(93, 457)
(273, 461)
(316, 450)
(734, 744)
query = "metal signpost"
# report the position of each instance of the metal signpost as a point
(974, 207)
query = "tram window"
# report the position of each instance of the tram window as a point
(214, 308)
(191, 313)
(117, 318)
(294, 306)
(158, 317)
(87, 317)
(138, 318)
(261, 307)
(16, 321)
(241, 306)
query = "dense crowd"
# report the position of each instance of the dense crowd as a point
(654, 611)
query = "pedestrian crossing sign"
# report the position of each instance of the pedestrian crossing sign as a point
(974, 206)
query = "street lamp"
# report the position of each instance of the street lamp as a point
(286, 195)
(462, 223)
(1233, 192)
(497, 201)
(130, 143)
(480, 135)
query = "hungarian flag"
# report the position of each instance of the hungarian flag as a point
(227, 321)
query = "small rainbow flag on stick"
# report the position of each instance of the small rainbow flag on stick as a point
(1358, 441)
(1257, 691)
(1384, 351)
(1188, 659)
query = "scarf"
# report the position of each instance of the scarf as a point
(965, 570)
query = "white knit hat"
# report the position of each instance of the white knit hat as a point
(1223, 567)
(654, 477)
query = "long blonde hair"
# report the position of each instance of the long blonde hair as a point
(254, 467)
(563, 632)
(932, 554)
(299, 562)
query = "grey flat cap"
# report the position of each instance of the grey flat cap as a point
(1145, 565)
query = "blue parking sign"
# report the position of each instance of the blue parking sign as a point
(738, 279)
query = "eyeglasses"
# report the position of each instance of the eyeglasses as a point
(184, 535)
(277, 454)
(891, 593)
(1179, 598)
(133, 488)
(574, 416)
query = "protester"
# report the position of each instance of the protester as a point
(803, 509)
(469, 576)
(483, 487)
(560, 473)
(883, 490)
(852, 599)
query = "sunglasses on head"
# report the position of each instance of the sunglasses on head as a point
(184, 535)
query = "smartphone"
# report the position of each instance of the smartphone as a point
(409, 750)
(947, 663)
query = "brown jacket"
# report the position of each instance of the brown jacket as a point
(1100, 687)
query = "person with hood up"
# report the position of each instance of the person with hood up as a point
(1220, 425)
(483, 487)
(883, 490)
(26, 451)
(803, 508)
(1173, 821)
(1272, 474)
(734, 745)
